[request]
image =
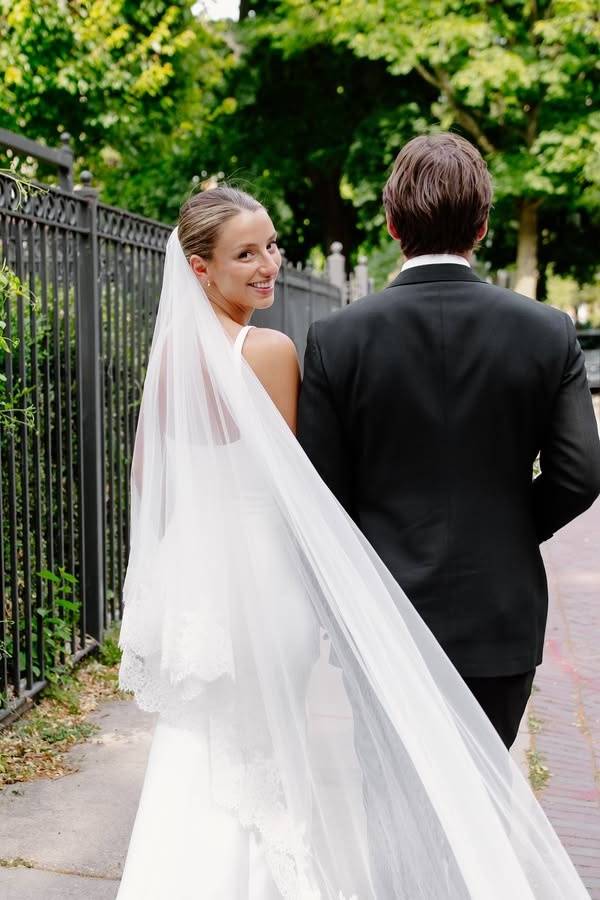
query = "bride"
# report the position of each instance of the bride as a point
(313, 740)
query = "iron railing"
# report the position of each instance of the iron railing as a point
(301, 297)
(78, 326)
(62, 159)
(130, 259)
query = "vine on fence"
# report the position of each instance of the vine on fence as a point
(53, 637)
(11, 414)
(59, 625)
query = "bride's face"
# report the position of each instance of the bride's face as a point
(244, 264)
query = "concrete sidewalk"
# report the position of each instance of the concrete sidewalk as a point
(74, 831)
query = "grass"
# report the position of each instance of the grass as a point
(534, 724)
(15, 863)
(35, 745)
(538, 772)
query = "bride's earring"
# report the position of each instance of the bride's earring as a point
(208, 283)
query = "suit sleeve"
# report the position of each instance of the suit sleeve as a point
(320, 430)
(570, 454)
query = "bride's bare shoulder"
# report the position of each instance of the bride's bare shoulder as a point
(265, 347)
(273, 357)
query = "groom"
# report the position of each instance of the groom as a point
(424, 407)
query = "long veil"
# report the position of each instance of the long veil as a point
(341, 736)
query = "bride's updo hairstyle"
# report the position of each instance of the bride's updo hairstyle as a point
(203, 215)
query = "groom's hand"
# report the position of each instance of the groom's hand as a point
(570, 454)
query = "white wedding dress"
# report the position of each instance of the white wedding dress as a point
(184, 843)
(313, 740)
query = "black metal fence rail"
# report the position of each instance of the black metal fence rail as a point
(130, 254)
(77, 327)
(40, 437)
(301, 297)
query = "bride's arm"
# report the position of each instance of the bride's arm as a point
(273, 357)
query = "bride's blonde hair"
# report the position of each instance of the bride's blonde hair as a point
(203, 215)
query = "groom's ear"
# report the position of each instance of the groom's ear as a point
(482, 232)
(392, 229)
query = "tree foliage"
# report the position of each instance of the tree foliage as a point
(518, 77)
(297, 127)
(131, 82)
(308, 104)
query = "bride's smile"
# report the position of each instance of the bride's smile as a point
(239, 273)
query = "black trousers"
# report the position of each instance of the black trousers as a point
(503, 700)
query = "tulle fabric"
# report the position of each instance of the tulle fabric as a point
(307, 715)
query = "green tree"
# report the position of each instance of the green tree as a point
(131, 82)
(519, 77)
(309, 128)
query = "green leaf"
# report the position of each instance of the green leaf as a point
(67, 576)
(68, 604)
(49, 576)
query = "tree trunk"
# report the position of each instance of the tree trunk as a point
(527, 253)
(337, 216)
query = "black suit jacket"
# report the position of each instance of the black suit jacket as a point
(423, 408)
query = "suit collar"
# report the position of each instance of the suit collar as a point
(440, 272)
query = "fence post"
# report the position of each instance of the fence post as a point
(309, 272)
(502, 278)
(90, 396)
(351, 294)
(283, 281)
(65, 172)
(336, 267)
(361, 274)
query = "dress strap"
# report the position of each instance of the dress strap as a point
(239, 341)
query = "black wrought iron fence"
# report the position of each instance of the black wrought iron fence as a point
(80, 283)
(43, 241)
(301, 297)
(130, 259)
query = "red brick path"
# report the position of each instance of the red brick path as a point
(567, 699)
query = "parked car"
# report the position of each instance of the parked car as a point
(590, 344)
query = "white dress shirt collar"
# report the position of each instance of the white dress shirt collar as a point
(435, 259)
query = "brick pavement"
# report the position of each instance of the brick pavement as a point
(565, 705)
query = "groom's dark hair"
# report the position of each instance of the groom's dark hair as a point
(438, 196)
